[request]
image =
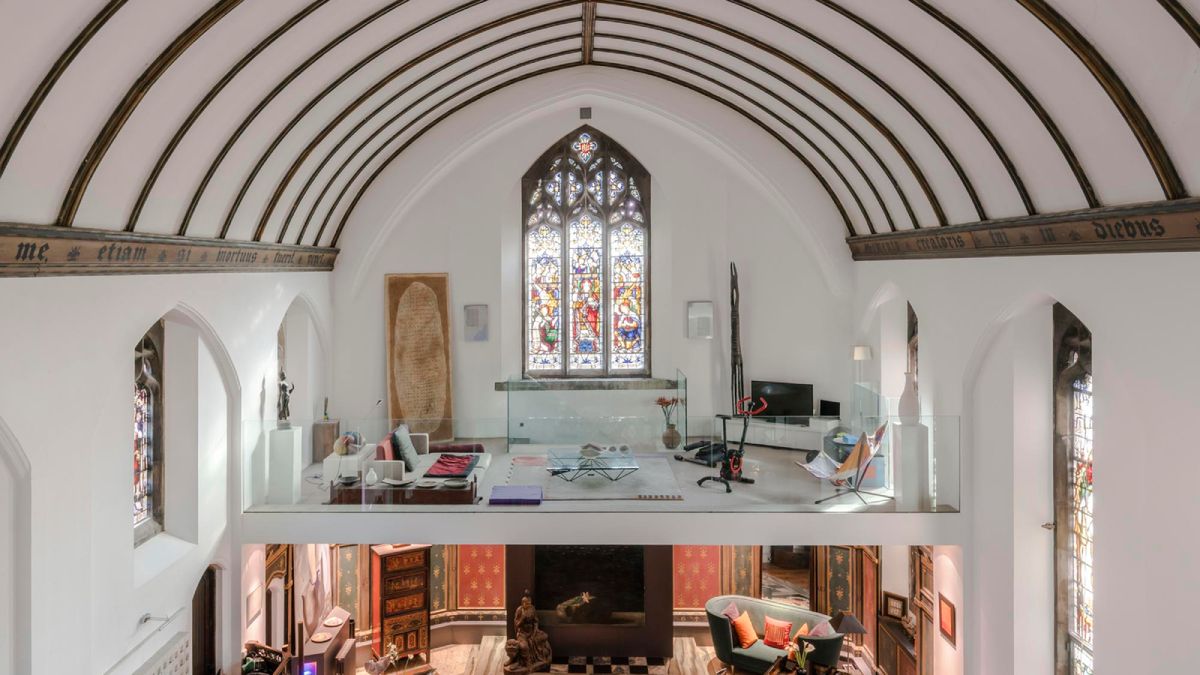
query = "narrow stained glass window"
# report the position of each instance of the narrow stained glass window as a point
(586, 260)
(147, 436)
(143, 453)
(1081, 524)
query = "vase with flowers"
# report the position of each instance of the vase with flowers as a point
(671, 438)
(798, 652)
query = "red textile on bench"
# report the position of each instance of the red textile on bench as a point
(452, 466)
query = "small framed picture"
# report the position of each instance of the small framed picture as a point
(475, 321)
(947, 619)
(700, 319)
(895, 606)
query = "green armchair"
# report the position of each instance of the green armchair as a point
(758, 657)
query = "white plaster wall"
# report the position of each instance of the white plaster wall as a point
(65, 351)
(8, 572)
(463, 217)
(1140, 308)
(254, 561)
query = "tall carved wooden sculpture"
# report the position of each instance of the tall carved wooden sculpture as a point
(737, 380)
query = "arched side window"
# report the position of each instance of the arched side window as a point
(147, 436)
(1073, 494)
(586, 224)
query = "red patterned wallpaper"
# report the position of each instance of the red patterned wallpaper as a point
(481, 576)
(697, 575)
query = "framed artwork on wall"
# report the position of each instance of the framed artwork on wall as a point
(700, 319)
(947, 620)
(475, 322)
(418, 353)
(895, 606)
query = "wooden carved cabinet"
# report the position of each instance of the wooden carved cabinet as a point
(400, 599)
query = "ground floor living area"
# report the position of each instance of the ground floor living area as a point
(485, 609)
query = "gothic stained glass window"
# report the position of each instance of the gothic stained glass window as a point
(1080, 473)
(147, 436)
(586, 246)
(1073, 497)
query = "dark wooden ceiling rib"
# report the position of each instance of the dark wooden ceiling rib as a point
(1085, 184)
(200, 107)
(362, 166)
(296, 72)
(332, 86)
(121, 114)
(348, 109)
(392, 99)
(618, 66)
(17, 131)
(1135, 117)
(824, 81)
(912, 216)
(1184, 18)
(887, 88)
(588, 31)
(950, 91)
(769, 92)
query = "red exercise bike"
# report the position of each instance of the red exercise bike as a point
(731, 468)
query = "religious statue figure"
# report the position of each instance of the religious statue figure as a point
(529, 651)
(285, 398)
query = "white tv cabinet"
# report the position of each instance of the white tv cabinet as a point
(789, 436)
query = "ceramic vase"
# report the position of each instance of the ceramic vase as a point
(371, 478)
(671, 438)
(909, 406)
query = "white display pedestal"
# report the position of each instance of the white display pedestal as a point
(284, 466)
(910, 467)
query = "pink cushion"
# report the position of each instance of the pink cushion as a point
(384, 450)
(731, 612)
(822, 629)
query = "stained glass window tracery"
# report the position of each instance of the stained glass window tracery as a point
(1080, 473)
(586, 260)
(147, 436)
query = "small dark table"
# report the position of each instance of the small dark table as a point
(356, 493)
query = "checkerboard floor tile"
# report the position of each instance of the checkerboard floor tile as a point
(605, 665)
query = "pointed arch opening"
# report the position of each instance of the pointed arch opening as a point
(586, 260)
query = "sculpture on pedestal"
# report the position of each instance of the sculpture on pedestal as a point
(285, 400)
(529, 651)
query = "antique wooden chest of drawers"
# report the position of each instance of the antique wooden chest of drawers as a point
(400, 599)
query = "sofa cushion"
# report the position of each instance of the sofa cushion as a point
(731, 611)
(743, 628)
(823, 629)
(776, 632)
(802, 630)
(384, 450)
(404, 448)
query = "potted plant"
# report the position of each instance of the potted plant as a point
(671, 438)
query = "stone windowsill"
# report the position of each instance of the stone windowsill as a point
(588, 384)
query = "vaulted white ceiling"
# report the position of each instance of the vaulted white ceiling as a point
(268, 119)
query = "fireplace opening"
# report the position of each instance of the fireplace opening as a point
(590, 585)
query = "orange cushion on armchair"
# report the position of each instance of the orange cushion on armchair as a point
(743, 628)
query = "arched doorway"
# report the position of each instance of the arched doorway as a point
(205, 624)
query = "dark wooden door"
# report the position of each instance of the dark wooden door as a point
(204, 625)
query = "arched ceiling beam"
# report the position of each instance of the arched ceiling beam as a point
(124, 109)
(771, 93)
(295, 73)
(618, 66)
(312, 145)
(1184, 18)
(1135, 117)
(354, 105)
(812, 73)
(51, 78)
(1085, 184)
(879, 82)
(200, 107)
(945, 86)
(588, 31)
(912, 216)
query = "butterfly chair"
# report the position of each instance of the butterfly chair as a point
(848, 476)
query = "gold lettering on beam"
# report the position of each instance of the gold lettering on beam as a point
(1156, 226)
(34, 250)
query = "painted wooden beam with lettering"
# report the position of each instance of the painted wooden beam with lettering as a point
(37, 250)
(1155, 226)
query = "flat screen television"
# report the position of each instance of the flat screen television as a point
(784, 399)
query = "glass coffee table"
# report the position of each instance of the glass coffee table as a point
(571, 464)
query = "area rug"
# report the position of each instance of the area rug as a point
(654, 480)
